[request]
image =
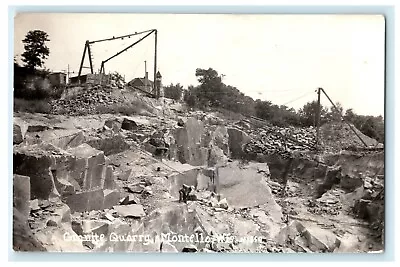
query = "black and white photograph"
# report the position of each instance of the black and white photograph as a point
(198, 133)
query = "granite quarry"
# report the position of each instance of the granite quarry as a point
(110, 183)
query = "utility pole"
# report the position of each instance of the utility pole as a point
(318, 115)
(67, 72)
(157, 93)
(146, 76)
(67, 81)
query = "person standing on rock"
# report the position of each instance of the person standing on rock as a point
(184, 193)
(214, 174)
(212, 166)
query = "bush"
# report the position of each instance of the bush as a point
(57, 91)
(31, 106)
(35, 88)
(34, 84)
(173, 91)
(41, 89)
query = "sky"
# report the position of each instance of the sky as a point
(279, 58)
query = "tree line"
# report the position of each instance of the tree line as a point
(213, 93)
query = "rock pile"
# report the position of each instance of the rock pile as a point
(116, 80)
(84, 102)
(273, 139)
(336, 136)
(325, 206)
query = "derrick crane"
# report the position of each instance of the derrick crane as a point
(102, 69)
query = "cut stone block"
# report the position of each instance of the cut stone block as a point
(85, 201)
(21, 194)
(36, 162)
(133, 210)
(109, 180)
(19, 130)
(111, 198)
(94, 162)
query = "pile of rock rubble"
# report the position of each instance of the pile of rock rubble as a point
(329, 204)
(336, 136)
(116, 81)
(85, 101)
(272, 139)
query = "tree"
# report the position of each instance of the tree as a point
(190, 96)
(278, 115)
(369, 127)
(264, 109)
(380, 129)
(335, 114)
(349, 115)
(36, 50)
(309, 112)
(210, 91)
(173, 91)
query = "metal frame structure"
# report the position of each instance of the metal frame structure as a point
(102, 69)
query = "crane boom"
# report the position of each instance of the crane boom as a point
(102, 70)
(125, 49)
(119, 37)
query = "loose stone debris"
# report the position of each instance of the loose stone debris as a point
(202, 182)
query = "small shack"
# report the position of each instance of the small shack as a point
(58, 78)
(90, 79)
